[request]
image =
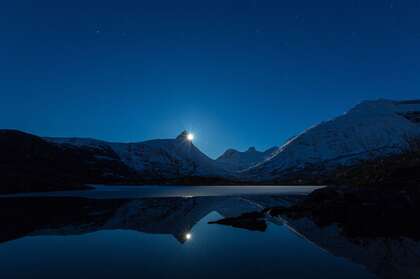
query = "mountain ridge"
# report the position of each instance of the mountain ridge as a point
(158, 158)
(371, 129)
(235, 160)
(367, 132)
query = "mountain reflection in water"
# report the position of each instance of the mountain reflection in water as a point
(172, 215)
(60, 216)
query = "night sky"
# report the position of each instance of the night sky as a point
(237, 73)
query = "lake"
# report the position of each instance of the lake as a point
(164, 232)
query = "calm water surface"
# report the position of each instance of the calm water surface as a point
(169, 236)
(103, 192)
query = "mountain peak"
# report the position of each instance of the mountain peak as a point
(182, 136)
(251, 149)
(234, 160)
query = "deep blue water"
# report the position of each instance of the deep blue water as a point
(147, 238)
(213, 252)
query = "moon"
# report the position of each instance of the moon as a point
(190, 136)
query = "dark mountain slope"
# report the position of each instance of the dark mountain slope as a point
(29, 163)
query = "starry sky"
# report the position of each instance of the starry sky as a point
(237, 73)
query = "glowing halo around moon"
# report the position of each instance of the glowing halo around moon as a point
(190, 136)
(188, 236)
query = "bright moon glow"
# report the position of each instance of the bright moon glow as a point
(190, 137)
(188, 236)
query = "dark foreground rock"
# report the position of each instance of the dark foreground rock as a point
(361, 212)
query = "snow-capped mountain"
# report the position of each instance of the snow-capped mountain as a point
(234, 160)
(156, 159)
(371, 129)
